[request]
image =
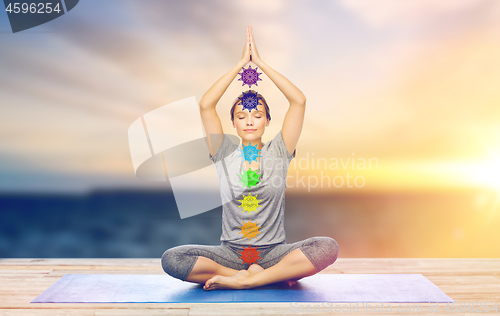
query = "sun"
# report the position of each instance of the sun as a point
(487, 172)
(491, 176)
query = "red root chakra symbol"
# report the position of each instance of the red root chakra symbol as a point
(249, 255)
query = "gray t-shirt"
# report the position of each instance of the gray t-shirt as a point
(253, 216)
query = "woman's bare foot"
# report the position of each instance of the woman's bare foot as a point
(236, 282)
(255, 268)
(291, 282)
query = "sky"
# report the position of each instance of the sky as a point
(411, 86)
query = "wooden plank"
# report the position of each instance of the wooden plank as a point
(21, 280)
(425, 266)
(316, 309)
(23, 302)
(83, 268)
(140, 312)
(41, 312)
(95, 312)
(59, 273)
(353, 265)
(81, 261)
(4, 272)
(321, 309)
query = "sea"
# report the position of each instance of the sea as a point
(143, 224)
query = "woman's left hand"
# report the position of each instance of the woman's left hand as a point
(253, 50)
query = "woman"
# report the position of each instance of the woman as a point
(253, 251)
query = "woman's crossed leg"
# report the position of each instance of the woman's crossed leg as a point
(219, 268)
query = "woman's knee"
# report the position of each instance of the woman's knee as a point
(323, 251)
(330, 247)
(168, 260)
(174, 262)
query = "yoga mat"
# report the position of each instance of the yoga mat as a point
(116, 288)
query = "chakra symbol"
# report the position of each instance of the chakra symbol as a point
(250, 178)
(249, 255)
(250, 152)
(249, 203)
(250, 230)
(250, 76)
(250, 100)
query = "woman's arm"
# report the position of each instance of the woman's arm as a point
(209, 117)
(294, 118)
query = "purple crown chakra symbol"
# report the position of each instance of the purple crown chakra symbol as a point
(250, 76)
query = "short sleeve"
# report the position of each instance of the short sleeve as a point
(278, 144)
(226, 148)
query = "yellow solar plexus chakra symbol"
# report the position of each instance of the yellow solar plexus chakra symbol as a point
(250, 230)
(249, 203)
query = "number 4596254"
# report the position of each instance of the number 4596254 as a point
(32, 8)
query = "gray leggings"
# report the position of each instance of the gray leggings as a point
(179, 261)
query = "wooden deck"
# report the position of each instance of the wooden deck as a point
(467, 281)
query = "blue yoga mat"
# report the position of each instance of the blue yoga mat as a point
(119, 288)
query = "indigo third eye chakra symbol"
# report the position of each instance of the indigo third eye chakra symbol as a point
(25, 14)
(250, 100)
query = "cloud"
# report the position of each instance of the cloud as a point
(393, 12)
(383, 89)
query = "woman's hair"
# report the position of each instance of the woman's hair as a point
(260, 96)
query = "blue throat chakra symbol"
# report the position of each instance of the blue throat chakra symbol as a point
(250, 76)
(250, 100)
(250, 152)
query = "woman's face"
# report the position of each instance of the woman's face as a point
(250, 125)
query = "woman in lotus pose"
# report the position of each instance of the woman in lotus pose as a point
(252, 177)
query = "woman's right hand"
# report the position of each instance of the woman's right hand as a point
(245, 58)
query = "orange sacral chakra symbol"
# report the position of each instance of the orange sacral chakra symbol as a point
(249, 255)
(250, 230)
